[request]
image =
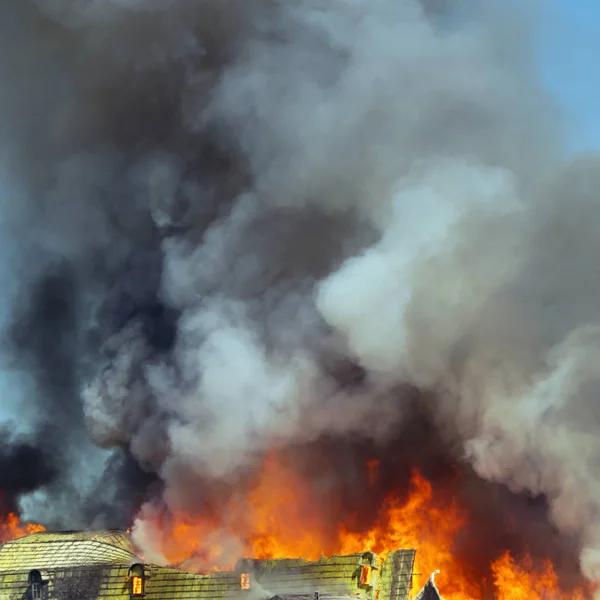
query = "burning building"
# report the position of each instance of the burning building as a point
(103, 565)
(298, 278)
(203, 556)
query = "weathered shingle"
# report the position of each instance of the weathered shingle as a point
(396, 575)
(95, 566)
(56, 550)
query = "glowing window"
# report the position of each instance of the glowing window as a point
(365, 575)
(136, 575)
(245, 581)
(137, 587)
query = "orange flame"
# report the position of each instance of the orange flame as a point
(525, 582)
(12, 528)
(421, 524)
(283, 517)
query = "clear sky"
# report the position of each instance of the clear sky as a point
(570, 65)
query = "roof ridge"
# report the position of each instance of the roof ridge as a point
(75, 541)
(82, 536)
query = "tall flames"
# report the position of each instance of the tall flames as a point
(281, 516)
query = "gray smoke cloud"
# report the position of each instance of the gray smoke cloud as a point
(210, 205)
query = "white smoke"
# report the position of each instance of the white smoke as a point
(421, 222)
(221, 358)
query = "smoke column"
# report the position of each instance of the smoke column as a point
(232, 225)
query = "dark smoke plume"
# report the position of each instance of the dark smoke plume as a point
(235, 225)
(24, 467)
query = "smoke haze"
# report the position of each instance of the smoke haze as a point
(230, 226)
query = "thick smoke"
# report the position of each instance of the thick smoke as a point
(229, 225)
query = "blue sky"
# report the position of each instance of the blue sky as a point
(569, 54)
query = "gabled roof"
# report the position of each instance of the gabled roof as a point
(430, 591)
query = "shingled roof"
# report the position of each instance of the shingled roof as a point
(100, 566)
(60, 550)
